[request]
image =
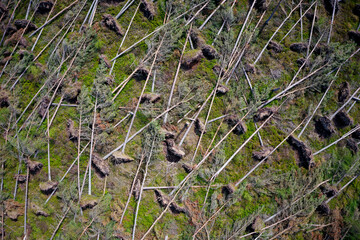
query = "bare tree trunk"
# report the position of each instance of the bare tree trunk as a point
(78, 156)
(141, 189)
(276, 31)
(48, 146)
(177, 73)
(92, 144)
(210, 16)
(341, 138)
(47, 18)
(53, 18)
(311, 31)
(28, 9)
(335, 2)
(26, 202)
(123, 39)
(155, 31)
(125, 7)
(59, 224)
(344, 105)
(299, 20)
(10, 19)
(301, 25)
(93, 13)
(142, 92)
(131, 190)
(142, 129)
(67, 171)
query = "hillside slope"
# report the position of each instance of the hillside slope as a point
(142, 119)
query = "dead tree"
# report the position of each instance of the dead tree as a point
(92, 144)
(177, 73)
(276, 31)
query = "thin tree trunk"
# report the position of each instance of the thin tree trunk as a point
(93, 13)
(48, 147)
(142, 92)
(142, 129)
(301, 25)
(212, 14)
(335, 2)
(141, 190)
(341, 138)
(28, 10)
(53, 18)
(26, 201)
(276, 31)
(131, 190)
(344, 105)
(177, 73)
(10, 19)
(311, 31)
(65, 174)
(242, 29)
(123, 39)
(155, 31)
(92, 145)
(87, 15)
(59, 224)
(296, 23)
(78, 156)
(125, 7)
(197, 13)
(47, 18)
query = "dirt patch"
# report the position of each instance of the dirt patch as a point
(221, 89)
(44, 7)
(71, 92)
(119, 157)
(148, 9)
(298, 47)
(352, 145)
(262, 154)
(4, 98)
(199, 127)
(33, 166)
(22, 23)
(173, 153)
(13, 209)
(274, 46)
(305, 158)
(71, 131)
(150, 98)
(324, 127)
(232, 121)
(110, 22)
(342, 120)
(263, 113)
(260, 5)
(88, 202)
(228, 190)
(191, 58)
(48, 187)
(100, 165)
(344, 91)
(355, 36)
(209, 52)
(324, 209)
